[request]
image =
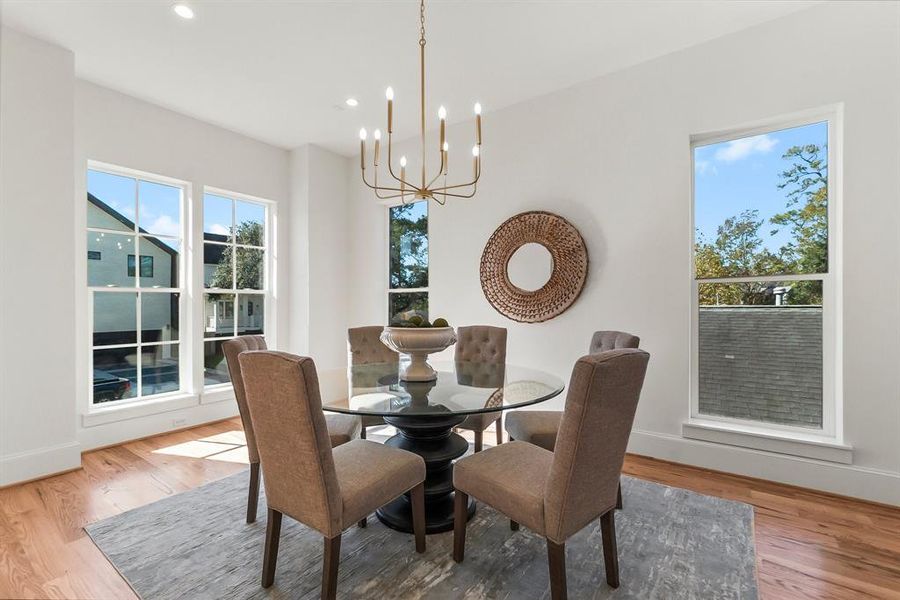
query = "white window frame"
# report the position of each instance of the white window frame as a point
(214, 392)
(184, 317)
(774, 436)
(387, 247)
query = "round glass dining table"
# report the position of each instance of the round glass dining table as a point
(425, 413)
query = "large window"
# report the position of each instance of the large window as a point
(234, 276)
(763, 287)
(408, 258)
(135, 306)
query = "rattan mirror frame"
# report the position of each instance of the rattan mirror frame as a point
(570, 267)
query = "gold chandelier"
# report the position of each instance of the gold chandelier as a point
(402, 187)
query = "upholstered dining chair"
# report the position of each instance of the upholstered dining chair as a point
(365, 347)
(484, 345)
(323, 488)
(341, 428)
(556, 494)
(539, 427)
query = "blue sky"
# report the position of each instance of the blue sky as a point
(743, 174)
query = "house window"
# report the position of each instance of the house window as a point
(135, 346)
(408, 262)
(763, 290)
(146, 266)
(235, 246)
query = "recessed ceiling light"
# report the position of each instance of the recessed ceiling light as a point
(351, 102)
(183, 10)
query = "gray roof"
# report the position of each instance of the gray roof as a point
(762, 363)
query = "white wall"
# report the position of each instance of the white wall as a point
(613, 156)
(319, 253)
(37, 373)
(121, 130)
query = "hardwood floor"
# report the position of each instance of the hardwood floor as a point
(809, 544)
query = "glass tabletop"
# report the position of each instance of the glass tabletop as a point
(463, 388)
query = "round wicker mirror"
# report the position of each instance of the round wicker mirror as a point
(569, 267)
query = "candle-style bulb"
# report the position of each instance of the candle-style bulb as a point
(377, 134)
(389, 93)
(478, 108)
(403, 162)
(362, 134)
(475, 151)
(442, 113)
(446, 146)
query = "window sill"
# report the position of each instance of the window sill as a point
(793, 443)
(111, 414)
(217, 393)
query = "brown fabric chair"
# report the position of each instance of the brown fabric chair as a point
(539, 427)
(555, 494)
(341, 428)
(365, 347)
(482, 345)
(327, 490)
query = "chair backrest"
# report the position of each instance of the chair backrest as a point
(481, 343)
(292, 437)
(593, 434)
(232, 348)
(365, 346)
(604, 341)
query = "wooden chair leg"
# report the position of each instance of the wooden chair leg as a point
(513, 526)
(499, 426)
(460, 519)
(619, 504)
(417, 496)
(479, 438)
(610, 552)
(253, 494)
(330, 563)
(270, 553)
(362, 433)
(363, 522)
(556, 556)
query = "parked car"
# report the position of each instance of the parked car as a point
(109, 387)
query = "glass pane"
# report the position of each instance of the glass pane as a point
(409, 245)
(251, 317)
(115, 318)
(250, 220)
(761, 351)
(250, 269)
(115, 374)
(110, 201)
(217, 268)
(404, 306)
(108, 259)
(217, 218)
(761, 204)
(159, 261)
(159, 317)
(218, 315)
(215, 370)
(159, 369)
(160, 208)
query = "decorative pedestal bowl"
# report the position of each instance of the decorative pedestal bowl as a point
(417, 343)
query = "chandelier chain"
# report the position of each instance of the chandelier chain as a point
(422, 22)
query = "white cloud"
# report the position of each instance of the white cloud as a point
(219, 229)
(703, 167)
(164, 225)
(742, 148)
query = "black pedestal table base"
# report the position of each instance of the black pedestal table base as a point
(432, 438)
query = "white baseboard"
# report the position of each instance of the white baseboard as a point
(25, 466)
(846, 480)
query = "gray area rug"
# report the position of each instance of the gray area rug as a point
(672, 544)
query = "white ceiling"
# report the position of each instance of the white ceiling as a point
(279, 71)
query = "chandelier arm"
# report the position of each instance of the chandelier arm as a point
(474, 191)
(391, 169)
(379, 188)
(440, 172)
(461, 185)
(376, 187)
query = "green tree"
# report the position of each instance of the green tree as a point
(408, 248)
(249, 261)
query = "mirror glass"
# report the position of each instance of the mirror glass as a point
(530, 267)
